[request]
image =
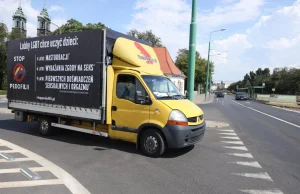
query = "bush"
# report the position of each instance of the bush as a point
(3, 92)
(4, 83)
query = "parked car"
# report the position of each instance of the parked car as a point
(241, 96)
(219, 94)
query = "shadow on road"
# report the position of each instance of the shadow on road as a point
(74, 137)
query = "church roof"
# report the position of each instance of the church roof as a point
(44, 13)
(19, 13)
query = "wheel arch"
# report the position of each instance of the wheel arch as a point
(146, 126)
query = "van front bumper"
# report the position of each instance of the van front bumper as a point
(182, 136)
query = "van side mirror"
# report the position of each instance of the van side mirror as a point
(141, 99)
(187, 95)
(139, 96)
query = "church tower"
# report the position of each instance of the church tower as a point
(43, 23)
(19, 20)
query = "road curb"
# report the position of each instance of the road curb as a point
(5, 111)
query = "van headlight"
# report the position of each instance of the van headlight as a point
(177, 118)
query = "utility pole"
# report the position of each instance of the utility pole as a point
(192, 53)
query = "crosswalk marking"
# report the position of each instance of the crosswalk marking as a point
(233, 142)
(251, 164)
(243, 155)
(237, 147)
(231, 137)
(233, 134)
(262, 175)
(30, 183)
(226, 130)
(17, 170)
(15, 160)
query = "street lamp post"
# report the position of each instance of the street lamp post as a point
(208, 65)
(192, 53)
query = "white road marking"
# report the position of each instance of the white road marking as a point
(268, 115)
(252, 164)
(261, 175)
(237, 147)
(235, 138)
(15, 160)
(7, 151)
(233, 142)
(291, 110)
(63, 177)
(226, 130)
(275, 191)
(233, 134)
(243, 155)
(30, 183)
(17, 170)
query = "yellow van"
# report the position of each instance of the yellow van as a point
(139, 104)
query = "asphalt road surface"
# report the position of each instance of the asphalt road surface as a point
(248, 148)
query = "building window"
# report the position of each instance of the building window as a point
(17, 24)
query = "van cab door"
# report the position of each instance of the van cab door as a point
(130, 106)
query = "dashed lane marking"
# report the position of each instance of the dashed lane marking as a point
(233, 142)
(243, 155)
(261, 175)
(237, 147)
(63, 177)
(274, 191)
(251, 164)
(267, 115)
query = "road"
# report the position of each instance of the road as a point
(243, 151)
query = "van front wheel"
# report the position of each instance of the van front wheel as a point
(152, 143)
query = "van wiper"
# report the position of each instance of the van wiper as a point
(178, 95)
(166, 97)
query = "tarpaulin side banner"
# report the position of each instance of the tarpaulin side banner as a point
(62, 69)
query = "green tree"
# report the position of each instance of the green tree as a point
(73, 25)
(200, 66)
(16, 34)
(148, 36)
(3, 38)
(266, 72)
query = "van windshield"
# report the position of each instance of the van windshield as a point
(162, 87)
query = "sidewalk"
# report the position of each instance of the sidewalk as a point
(3, 98)
(200, 99)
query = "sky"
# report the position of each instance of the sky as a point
(259, 33)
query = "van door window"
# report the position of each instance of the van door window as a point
(130, 88)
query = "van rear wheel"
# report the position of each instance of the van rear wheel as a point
(152, 143)
(45, 127)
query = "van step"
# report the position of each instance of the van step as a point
(103, 134)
